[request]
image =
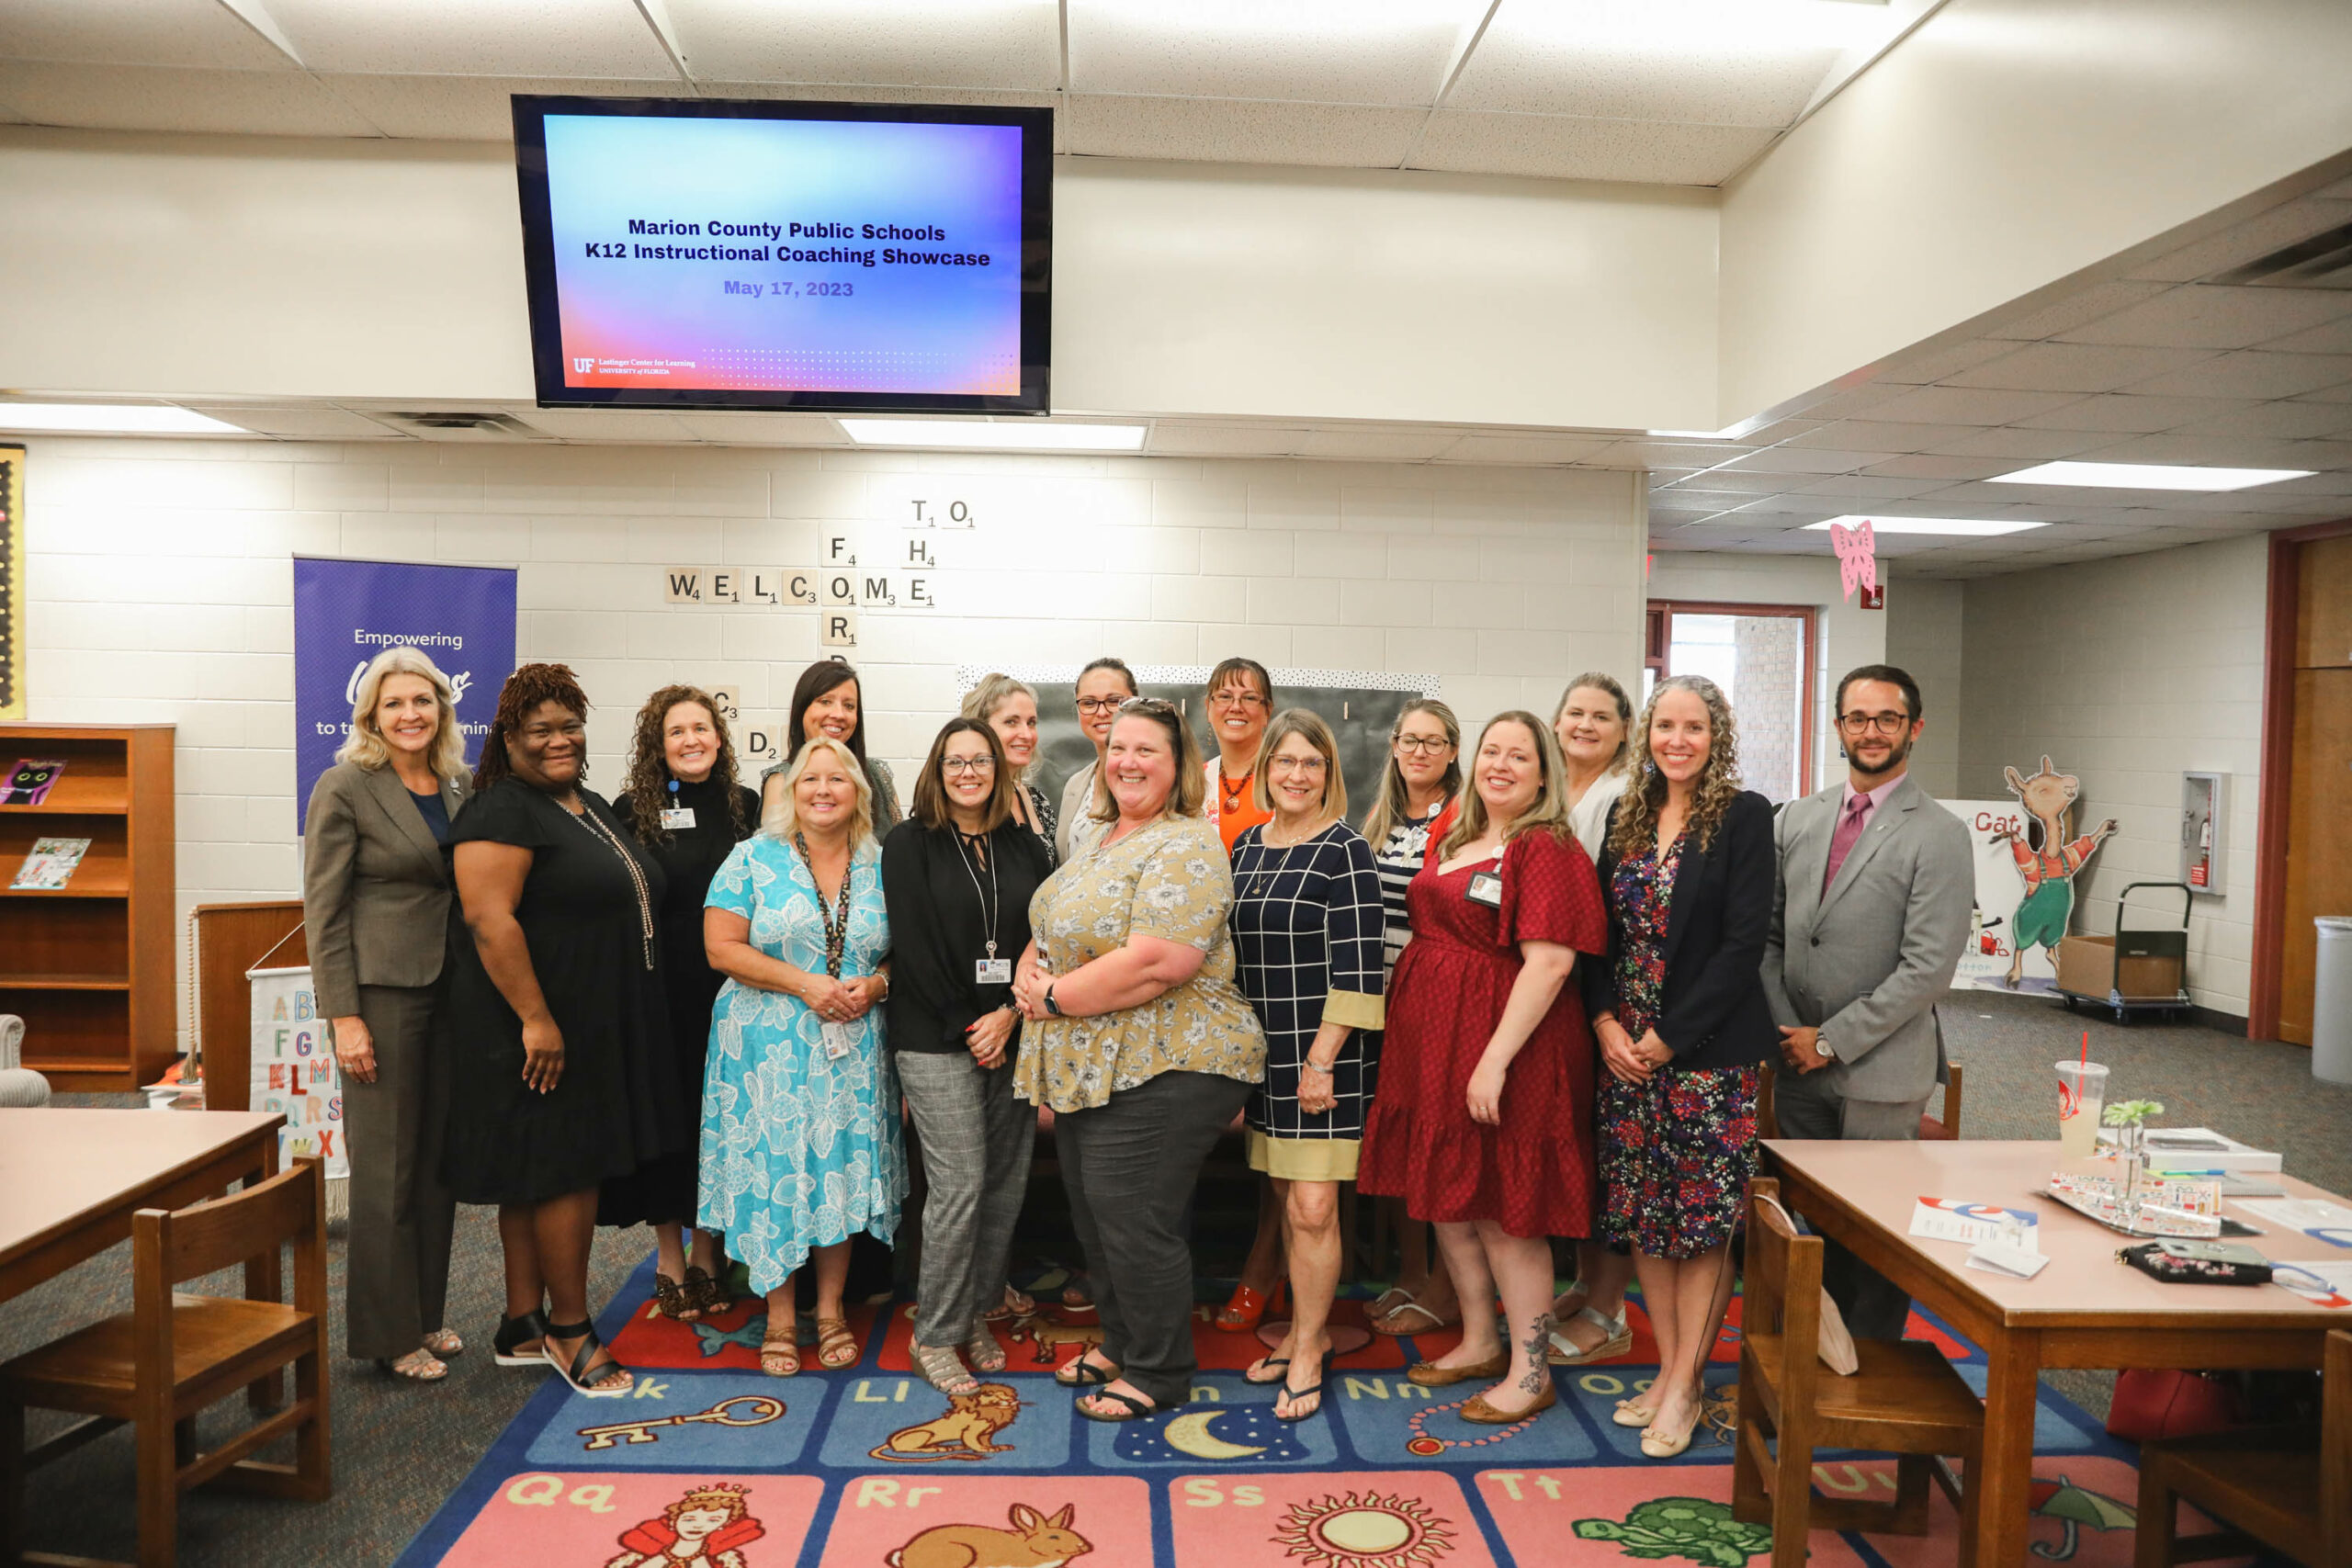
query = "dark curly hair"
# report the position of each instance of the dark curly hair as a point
(526, 689)
(649, 764)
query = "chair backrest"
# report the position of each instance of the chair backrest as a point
(1781, 1293)
(206, 1237)
(2335, 1450)
(1934, 1129)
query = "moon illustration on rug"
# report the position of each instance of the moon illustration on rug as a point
(1190, 1433)
(1364, 1530)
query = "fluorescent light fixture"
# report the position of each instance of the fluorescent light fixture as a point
(112, 419)
(2146, 475)
(1950, 527)
(1014, 436)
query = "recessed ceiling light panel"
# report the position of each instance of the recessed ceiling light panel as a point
(111, 419)
(1950, 527)
(1024, 436)
(2146, 475)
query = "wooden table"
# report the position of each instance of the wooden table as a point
(2085, 1310)
(70, 1180)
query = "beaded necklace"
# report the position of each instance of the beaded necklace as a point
(588, 820)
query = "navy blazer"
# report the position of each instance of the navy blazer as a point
(1714, 1013)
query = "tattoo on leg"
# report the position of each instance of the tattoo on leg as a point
(1538, 1371)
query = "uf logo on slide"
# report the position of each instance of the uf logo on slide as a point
(583, 365)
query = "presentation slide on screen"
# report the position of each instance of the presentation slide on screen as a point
(787, 255)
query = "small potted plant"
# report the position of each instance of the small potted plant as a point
(2130, 1119)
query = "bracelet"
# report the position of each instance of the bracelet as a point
(1312, 1066)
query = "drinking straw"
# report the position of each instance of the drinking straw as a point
(2087, 1047)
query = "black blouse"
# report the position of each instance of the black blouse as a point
(934, 888)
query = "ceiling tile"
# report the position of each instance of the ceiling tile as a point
(1871, 486)
(2214, 316)
(2083, 305)
(467, 109)
(2252, 374)
(1924, 467)
(1804, 460)
(2130, 413)
(1568, 59)
(1668, 453)
(2233, 452)
(198, 33)
(1701, 500)
(2035, 445)
(1967, 405)
(1927, 367)
(1882, 435)
(1319, 51)
(973, 43)
(2278, 420)
(308, 422)
(2335, 337)
(1326, 135)
(1559, 147)
(153, 97)
(2075, 368)
(2249, 240)
(475, 37)
(1733, 480)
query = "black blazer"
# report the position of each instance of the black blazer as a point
(1716, 1014)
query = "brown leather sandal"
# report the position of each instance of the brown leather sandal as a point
(836, 1345)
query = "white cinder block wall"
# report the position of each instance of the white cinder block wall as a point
(2128, 672)
(161, 588)
(1923, 635)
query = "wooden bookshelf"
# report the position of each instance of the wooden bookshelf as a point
(88, 966)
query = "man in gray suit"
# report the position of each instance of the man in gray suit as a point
(1869, 918)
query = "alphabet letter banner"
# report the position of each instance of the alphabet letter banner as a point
(294, 1070)
(347, 612)
(12, 582)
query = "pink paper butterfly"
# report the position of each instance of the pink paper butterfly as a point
(1857, 557)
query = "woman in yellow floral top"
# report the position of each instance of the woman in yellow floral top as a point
(1141, 1043)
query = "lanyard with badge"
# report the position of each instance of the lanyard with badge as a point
(992, 970)
(1487, 887)
(839, 1039)
(675, 817)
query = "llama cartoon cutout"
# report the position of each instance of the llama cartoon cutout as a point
(707, 1528)
(2046, 861)
(1035, 1540)
(966, 1429)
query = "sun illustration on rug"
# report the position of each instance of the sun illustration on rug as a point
(1364, 1530)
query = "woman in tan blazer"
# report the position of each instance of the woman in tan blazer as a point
(375, 903)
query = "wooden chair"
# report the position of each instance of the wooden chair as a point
(1905, 1400)
(2288, 1488)
(173, 1355)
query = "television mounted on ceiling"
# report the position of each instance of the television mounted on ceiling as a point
(702, 254)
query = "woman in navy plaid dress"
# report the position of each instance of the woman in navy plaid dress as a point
(1308, 925)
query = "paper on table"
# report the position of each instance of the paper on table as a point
(2315, 1217)
(1998, 1258)
(2322, 1284)
(1950, 1219)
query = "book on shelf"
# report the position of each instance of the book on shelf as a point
(29, 781)
(49, 863)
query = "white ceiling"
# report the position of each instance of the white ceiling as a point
(1682, 91)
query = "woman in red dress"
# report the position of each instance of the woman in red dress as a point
(1483, 1116)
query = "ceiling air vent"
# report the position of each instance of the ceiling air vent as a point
(2323, 261)
(463, 425)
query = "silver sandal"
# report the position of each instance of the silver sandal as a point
(983, 1351)
(941, 1369)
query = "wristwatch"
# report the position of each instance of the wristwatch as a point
(1052, 1006)
(1821, 1047)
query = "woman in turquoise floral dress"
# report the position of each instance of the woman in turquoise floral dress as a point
(800, 1140)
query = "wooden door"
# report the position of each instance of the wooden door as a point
(2319, 789)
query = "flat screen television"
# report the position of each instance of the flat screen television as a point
(705, 253)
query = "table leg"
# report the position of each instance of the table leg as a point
(264, 1282)
(2004, 1479)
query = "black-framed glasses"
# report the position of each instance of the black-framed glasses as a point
(968, 764)
(1423, 745)
(1236, 700)
(1091, 705)
(1884, 723)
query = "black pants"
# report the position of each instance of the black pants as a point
(1874, 1307)
(1130, 1164)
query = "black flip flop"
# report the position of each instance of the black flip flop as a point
(577, 1374)
(515, 1331)
(1136, 1409)
(1270, 1364)
(1084, 1375)
(1295, 1394)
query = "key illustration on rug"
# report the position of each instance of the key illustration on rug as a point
(702, 1529)
(966, 1429)
(1035, 1540)
(759, 1409)
(1364, 1530)
(1688, 1530)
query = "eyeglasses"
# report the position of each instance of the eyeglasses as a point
(968, 764)
(1423, 745)
(1884, 723)
(1310, 766)
(1236, 700)
(1093, 705)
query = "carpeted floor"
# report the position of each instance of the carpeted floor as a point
(400, 1450)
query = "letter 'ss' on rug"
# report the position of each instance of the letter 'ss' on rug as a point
(709, 1464)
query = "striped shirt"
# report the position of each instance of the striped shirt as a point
(1399, 859)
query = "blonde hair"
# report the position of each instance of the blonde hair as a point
(1550, 809)
(1395, 805)
(780, 818)
(1718, 784)
(367, 746)
(1190, 790)
(982, 701)
(1304, 722)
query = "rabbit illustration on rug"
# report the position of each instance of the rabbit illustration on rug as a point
(1035, 1540)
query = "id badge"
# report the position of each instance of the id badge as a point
(839, 1041)
(1486, 888)
(992, 971)
(677, 817)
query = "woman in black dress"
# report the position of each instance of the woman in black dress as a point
(684, 804)
(559, 1060)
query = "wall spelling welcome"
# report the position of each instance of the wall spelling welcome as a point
(161, 583)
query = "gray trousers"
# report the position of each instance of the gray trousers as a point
(977, 1140)
(402, 1216)
(1807, 1108)
(1130, 1164)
